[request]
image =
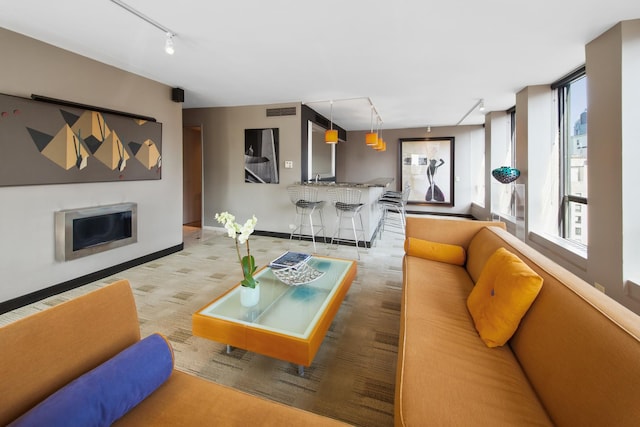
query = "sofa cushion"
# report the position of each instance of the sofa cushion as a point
(187, 400)
(504, 292)
(106, 393)
(442, 252)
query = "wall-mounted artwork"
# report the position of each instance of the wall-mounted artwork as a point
(261, 153)
(427, 166)
(46, 143)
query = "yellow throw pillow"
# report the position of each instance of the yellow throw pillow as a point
(504, 292)
(442, 252)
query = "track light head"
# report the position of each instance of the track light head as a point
(168, 45)
(481, 105)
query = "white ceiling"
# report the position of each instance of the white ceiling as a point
(421, 62)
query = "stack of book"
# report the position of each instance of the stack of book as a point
(289, 260)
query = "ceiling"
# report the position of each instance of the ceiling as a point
(420, 62)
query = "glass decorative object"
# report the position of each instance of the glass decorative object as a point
(505, 174)
(297, 275)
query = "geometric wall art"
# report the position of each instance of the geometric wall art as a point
(46, 143)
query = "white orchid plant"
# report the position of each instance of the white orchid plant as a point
(241, 233)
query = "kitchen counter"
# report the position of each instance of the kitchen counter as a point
(378, 182)
(371, 213)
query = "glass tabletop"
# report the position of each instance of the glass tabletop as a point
(290, 310)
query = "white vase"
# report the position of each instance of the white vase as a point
(249, 296)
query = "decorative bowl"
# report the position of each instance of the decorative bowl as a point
(505, 174)
(297, 275)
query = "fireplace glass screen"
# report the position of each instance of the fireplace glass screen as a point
(82, 232)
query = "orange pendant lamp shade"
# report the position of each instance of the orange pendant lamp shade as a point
(371, 138)
(331, 136)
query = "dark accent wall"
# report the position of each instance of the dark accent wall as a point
(307, 114)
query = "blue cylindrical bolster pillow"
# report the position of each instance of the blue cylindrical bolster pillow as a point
(106, 393)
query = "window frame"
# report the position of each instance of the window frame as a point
(562, 88)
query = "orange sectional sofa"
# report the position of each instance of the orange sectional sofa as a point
(573, 360)
(42, 353)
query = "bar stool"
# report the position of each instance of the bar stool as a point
(393, 205)
(348, 206)
(305, 199)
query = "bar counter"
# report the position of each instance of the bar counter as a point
(371, 213)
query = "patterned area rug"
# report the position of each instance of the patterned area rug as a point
(352, 377)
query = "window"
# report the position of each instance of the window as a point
(511, 153)
(512, 135)
(572, 127)
(505, 203)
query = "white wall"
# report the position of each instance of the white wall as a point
(27, 262)
(613, 97)
(358, 163)
(611, 259)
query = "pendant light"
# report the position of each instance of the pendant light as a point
(331, 135)
(371, 138)
(381, 144)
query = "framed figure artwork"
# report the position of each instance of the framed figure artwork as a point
(427, 167)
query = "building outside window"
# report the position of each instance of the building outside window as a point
(572, 121)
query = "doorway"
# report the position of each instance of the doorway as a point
(192, 176)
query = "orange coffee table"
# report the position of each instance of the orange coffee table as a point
(289, 322)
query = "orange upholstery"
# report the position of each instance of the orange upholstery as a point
(504, 292)
(449, 231)
(41, 353)
(185, 400)
(446, 375)
(573, 359)
(443, 252)
(579, 348)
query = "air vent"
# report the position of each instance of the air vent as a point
(286, 111)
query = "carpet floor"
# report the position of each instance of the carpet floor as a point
(352, 377)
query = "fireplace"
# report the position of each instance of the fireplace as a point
(86, 231)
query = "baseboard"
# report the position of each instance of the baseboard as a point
(456, 215)
(83, 280)
(307, 238)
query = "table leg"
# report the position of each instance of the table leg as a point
(229, 349)
(301, 370)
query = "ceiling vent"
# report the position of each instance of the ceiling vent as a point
(286, 111)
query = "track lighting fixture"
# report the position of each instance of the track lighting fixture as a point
(479, 105)
(168, 45)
